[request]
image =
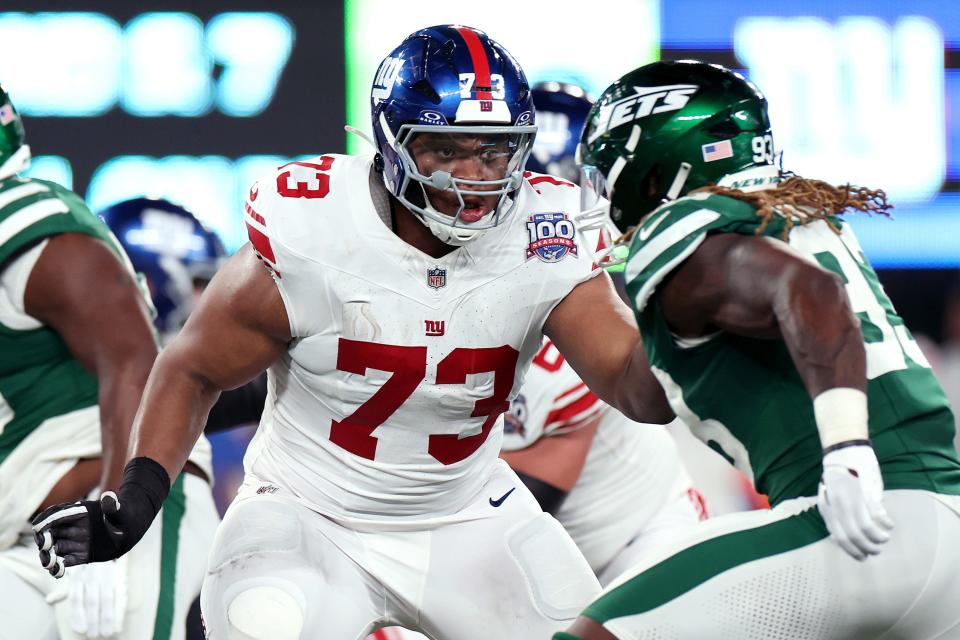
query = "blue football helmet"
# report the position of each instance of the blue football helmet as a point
(561, 111)
(173, 250)
(451, 80)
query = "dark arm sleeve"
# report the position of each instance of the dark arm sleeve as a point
(550, 497)
(239, 406)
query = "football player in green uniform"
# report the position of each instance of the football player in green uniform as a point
(76, 346)
(773, 339)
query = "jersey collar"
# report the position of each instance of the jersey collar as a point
(752, 179)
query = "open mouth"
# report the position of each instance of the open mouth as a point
(475, 207)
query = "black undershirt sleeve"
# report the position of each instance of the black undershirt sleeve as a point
(239, 406)
(550, 497)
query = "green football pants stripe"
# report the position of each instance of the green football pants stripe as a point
(173, 509)
(695, 565)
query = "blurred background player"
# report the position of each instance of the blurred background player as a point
(617, 487)
(77, 346)
(769, 332)
(173, 251)
(562, 109)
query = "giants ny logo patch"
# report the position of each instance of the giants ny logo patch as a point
(551, 237)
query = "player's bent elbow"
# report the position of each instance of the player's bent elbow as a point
(174, 366)
(641, 398)
(650, 415)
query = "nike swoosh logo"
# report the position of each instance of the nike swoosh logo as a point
(499, 501)
(647, 230)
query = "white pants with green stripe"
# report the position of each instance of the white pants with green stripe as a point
(163, 575)
(776, 575)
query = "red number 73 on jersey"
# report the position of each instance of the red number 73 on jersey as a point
(305, 179)
(409, 367)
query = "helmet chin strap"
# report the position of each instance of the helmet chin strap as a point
(678, 181)
(459, 235)
(447, 233)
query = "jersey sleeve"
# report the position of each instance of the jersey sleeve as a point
(576, 263)
(31, 210)
(13, 288)
(552, 401)
(673, 232)
(279, 227)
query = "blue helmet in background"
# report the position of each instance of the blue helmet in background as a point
(561, 112)
(173, 250)
(450, 79)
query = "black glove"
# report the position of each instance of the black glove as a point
(98, 530)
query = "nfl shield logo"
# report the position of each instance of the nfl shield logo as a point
(436, 278)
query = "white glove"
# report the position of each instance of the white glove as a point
(97, 597)
(851, 500)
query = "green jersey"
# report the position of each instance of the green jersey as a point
(744, 396)
(39, 378)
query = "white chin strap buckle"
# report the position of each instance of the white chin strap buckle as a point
(678, 181)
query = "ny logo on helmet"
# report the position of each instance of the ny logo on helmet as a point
(386, 77)
(645, 101)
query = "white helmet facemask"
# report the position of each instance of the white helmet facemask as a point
(507, 149)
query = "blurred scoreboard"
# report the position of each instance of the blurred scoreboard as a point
(860, 91)
(192, 101)
(119, 100)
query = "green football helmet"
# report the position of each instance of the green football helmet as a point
(14, 154)
(667, 128)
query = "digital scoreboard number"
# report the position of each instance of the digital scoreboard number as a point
(187, 105)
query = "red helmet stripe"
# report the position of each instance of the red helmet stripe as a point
(479, 58)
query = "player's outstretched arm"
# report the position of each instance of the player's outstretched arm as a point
(759, 287)
(239, 328)
(82, 290)
(596, 332)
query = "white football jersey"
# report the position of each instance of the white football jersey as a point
(631, 472)
(389, 401)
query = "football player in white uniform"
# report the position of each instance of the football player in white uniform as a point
(617, 487)
(404, 297)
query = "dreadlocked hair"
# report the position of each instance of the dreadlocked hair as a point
(800, 201)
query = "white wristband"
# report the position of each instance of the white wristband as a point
(841, 415)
